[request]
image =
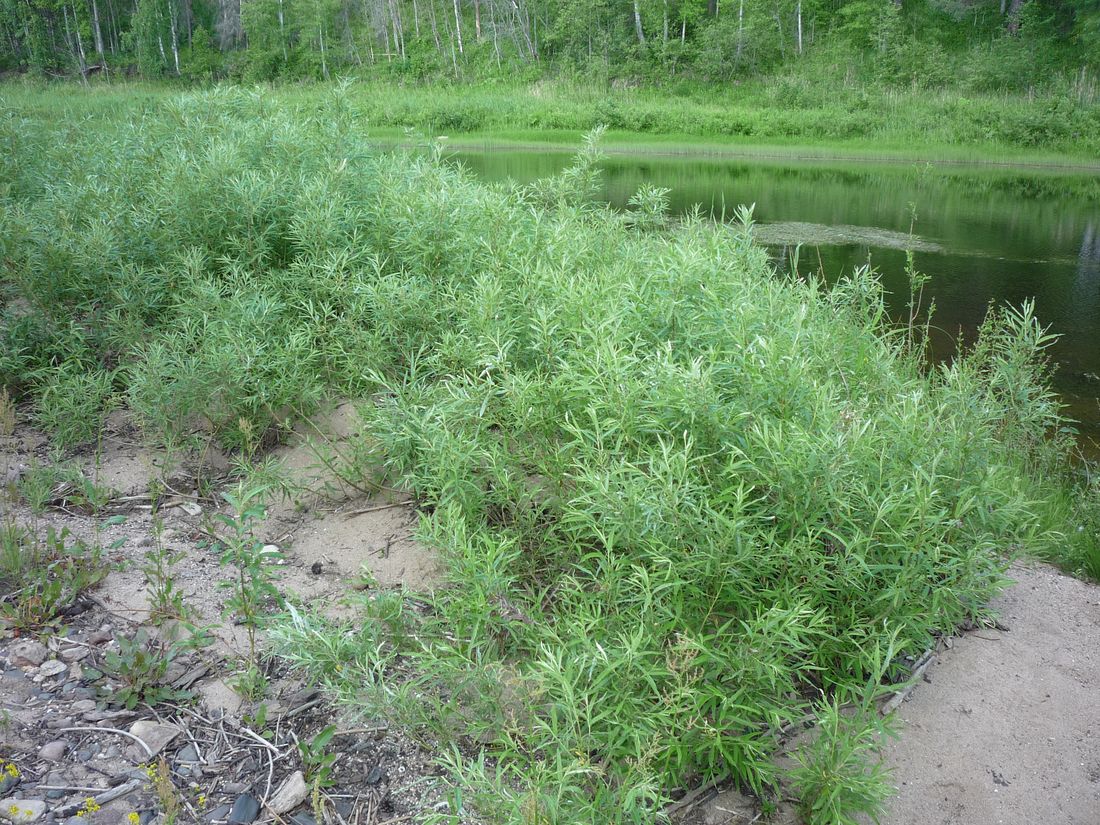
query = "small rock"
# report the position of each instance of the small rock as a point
(19, 811)
(83, 705)
(100, 636)
(374, 776)
(303, 819)
(62, 722)
(144, 541)
(190, 508)
(53, 751)
(343, 807)
(73, 654)
(218, 814)
(83, 755)
(52, 668)
(245, 810)
(219, 697)
(7, 782)
(292, 793)
(28, 653)
(153, 734)
(188, 754)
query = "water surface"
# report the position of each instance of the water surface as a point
(986, 235)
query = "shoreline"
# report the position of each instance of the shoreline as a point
(693, 147)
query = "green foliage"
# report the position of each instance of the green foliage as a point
(42, 576)
(836, 785)
(73, 402)
(252, 587)
(140, 665)
(165, 598)
(1043, 43)
(316, 758)
(202, 61)
(673, 492)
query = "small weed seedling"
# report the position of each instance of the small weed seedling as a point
(165, 599)
(250, 681)
(44, 576)
(141, 664)
(316, 760)
(253, 585)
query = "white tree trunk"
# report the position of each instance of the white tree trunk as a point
(798, 13)
(175, 37)
(458, 27)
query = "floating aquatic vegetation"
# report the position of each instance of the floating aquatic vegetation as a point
(789, 233)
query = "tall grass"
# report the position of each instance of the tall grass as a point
(815, 115)
(682, 500)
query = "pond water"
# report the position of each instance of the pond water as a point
(985, 235)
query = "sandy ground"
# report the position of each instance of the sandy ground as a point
(1008, 730)
(1004, 727)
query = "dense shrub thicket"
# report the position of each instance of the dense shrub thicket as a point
(683, 500)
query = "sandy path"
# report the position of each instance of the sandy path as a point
(1005, 727)
(1008, 730)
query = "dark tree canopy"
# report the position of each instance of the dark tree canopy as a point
(986, 45)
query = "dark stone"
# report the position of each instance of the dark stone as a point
(343, 807)
(303, 819)
(245, 810)
(218, 814)
(374, 776)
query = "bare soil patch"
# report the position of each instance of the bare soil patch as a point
(225, 758)
(1004, 726)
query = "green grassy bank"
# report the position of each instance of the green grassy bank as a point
(787, 118)
(682, 502)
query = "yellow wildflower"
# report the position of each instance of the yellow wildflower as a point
(133, 818)
(90, 807)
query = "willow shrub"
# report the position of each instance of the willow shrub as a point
(682, 500)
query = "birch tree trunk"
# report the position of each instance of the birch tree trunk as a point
(175, 36)
(638, 23)
(282, 31)
(798, 14)
(97, 34)
(458, 27)
(740, 31)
